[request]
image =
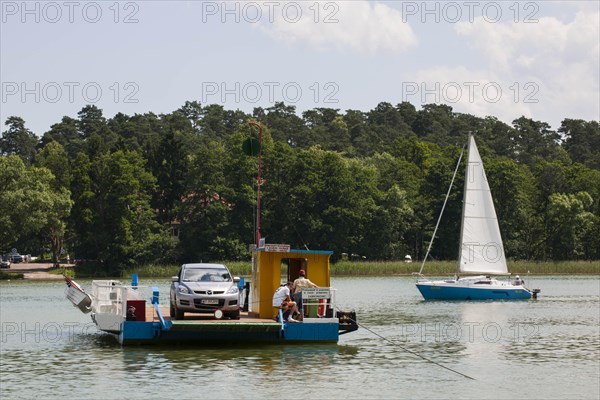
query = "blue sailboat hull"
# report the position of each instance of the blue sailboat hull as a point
(433, 291)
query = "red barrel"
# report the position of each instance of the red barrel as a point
(140, 309)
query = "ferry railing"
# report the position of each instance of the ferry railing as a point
(155, 296)
(319, 302)
(110, 296)
(281, 321)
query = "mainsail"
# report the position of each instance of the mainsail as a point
(481, 249)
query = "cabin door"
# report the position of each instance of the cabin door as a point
(294, 267)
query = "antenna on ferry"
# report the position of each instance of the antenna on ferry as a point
(251, 149)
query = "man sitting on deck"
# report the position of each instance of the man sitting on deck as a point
(282, 300)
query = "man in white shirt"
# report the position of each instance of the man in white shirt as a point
(282, 299)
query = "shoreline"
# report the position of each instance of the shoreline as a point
(39, 272)
(33, 271)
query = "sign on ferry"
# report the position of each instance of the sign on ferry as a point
(277, 248)
(316, 293)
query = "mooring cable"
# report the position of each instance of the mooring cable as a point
(409, 351)
(397, 345)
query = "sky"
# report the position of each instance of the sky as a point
(539, 59)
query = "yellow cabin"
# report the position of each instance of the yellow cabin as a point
(273, 265)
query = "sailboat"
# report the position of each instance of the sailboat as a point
(481, 252)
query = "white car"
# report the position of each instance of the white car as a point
(205, 288)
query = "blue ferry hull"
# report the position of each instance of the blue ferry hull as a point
(211, 333)
(456, 292)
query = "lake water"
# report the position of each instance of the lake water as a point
(540, 349)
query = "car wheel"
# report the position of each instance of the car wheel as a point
(179, 314)
(235, 315)
(171, 310)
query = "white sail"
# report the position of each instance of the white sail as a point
(481, 250)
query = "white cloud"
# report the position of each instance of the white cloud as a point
(477, 92)
(547, 41)
(359, 25)
(547, 70)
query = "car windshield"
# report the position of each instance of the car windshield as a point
(206, 275)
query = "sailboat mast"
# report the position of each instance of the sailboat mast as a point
(462, 219)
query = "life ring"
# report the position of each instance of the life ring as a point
(321, 309)
(218, 314)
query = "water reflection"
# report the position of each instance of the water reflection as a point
(538, 342)
(263, 357)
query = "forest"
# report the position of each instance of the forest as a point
(147, 188)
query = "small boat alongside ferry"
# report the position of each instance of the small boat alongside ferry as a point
(125, 311)
(78, 296)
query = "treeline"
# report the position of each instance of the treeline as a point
(365, 183)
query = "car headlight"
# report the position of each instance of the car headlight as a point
(184, 290)
(232, 290)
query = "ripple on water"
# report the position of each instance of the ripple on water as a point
(537, 342)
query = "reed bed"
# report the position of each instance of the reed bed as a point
(10, 276)
(374, 268)
(449, 268)
(162, 271)
(152, 271)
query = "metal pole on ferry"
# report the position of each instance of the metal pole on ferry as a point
(258, 181)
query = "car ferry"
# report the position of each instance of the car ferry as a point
(134, 318)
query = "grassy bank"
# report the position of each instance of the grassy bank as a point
(350, 268)
(68, 271)
(368, 268)
(162, 271)
(10, 275)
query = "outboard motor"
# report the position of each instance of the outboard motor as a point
(347, 321)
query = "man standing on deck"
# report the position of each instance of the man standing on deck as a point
(301, 283)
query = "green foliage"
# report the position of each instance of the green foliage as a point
(30, 204)
(169, 164)
(65, 133)
(582, 141)
(514, 194)
(93, 269)
(118, 227)
(568, 223)
(535, 139)
(370, 183)
(54, 157)
(18, 140)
